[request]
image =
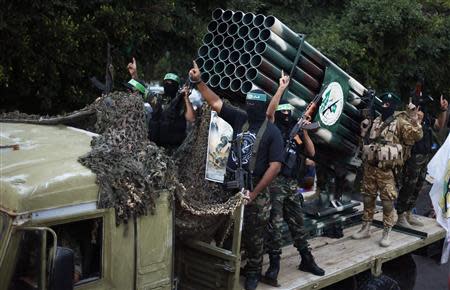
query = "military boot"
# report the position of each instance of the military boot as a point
(251, 281)
(413, 220)
(363, 233)
(385, 241)
(271, 276)
(402, 221)
(308, 264)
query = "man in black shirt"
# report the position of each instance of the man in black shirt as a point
(415, 168)
(171, 112)
(266, 157)
(286, 202)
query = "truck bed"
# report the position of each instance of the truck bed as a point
(345, 257)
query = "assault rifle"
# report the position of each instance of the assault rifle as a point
(242, 178)
(290, 153)
(367, 113)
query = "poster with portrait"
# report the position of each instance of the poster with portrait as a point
(219, 147)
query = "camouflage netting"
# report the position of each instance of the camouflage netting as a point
(132, 171)
(204, 205)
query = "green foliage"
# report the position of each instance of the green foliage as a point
(51, 48)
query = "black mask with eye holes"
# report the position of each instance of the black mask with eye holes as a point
(282, 118)
(170, 89)
(256, 110)
(389, 106)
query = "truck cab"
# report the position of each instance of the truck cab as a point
(53, 236)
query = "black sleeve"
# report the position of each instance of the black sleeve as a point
(233, 116)
(276, 146)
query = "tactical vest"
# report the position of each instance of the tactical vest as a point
(384, 149)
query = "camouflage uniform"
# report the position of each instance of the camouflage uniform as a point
(256, 215)
(387, 150)
(414, 175)
(287, 205)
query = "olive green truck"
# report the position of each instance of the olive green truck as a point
(53, 236)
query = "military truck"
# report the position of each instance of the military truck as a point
(50, 223)
(53, 236)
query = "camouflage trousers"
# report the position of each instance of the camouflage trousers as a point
(414, 174)
(256, 215)
(287, 205)
(379, 180)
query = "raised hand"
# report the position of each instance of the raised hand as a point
(194, 73)
(132, 69)
(284, 80)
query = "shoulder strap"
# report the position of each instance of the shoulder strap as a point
(383, 126)
(255, 148)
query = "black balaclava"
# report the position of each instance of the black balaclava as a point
(170, 88)
(389, 110)
(282, 119)
(256, 106)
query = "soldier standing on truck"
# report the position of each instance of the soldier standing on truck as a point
(171, 113)
(415, 168)
(286, 202)
(390, 136)
(260, 156)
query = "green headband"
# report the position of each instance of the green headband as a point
(172, 77)
(287, 107)
(256, 97)
(138, 86)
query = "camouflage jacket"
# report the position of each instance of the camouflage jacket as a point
(390, 144)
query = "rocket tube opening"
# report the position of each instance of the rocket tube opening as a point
(238, 44)
(251, 74)
(237, 16)
(259, 20)
(240, 71)
(214, 80)
(254, 33)
(230, 69)
(217, 14)
(227, 15)
(269, 21)
(246, 87)
(222, 28)
(245, 58)
(235, 85)
(218, 39)
(203, 51)
(208, 65)
(208, 38)
(224, 54)
(248, 18)
(228, 42)
(234, 56)
(249, 46)
(219, 67)
(225, 83)
(212, 26)
(256, 61)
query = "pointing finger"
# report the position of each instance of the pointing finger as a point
(195, 65)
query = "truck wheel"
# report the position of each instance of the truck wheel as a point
(366, 281)
(403, 270)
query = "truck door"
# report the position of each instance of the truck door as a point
(202, 266)
(155, 247)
